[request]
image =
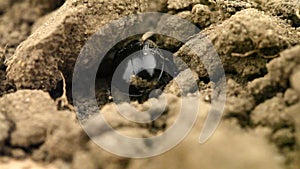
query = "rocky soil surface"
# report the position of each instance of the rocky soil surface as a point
(258, 42)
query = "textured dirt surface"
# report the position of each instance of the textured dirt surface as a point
(258, 42)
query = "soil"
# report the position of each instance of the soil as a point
(258, 42)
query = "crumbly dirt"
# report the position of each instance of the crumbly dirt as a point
(36, 63)
(258, 42)
(286, 10)
(237, 40)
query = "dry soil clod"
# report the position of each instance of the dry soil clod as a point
(56, 44)
(249, 38)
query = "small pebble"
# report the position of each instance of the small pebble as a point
(291, 97)
(18, 153)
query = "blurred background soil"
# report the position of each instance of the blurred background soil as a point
(258, 42)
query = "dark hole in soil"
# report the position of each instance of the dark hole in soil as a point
(58, 91)
(262, 73)
(205, 80)
(59, 3)
(133, 69)
(48, 6)
(269, 51)
(55, 5)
